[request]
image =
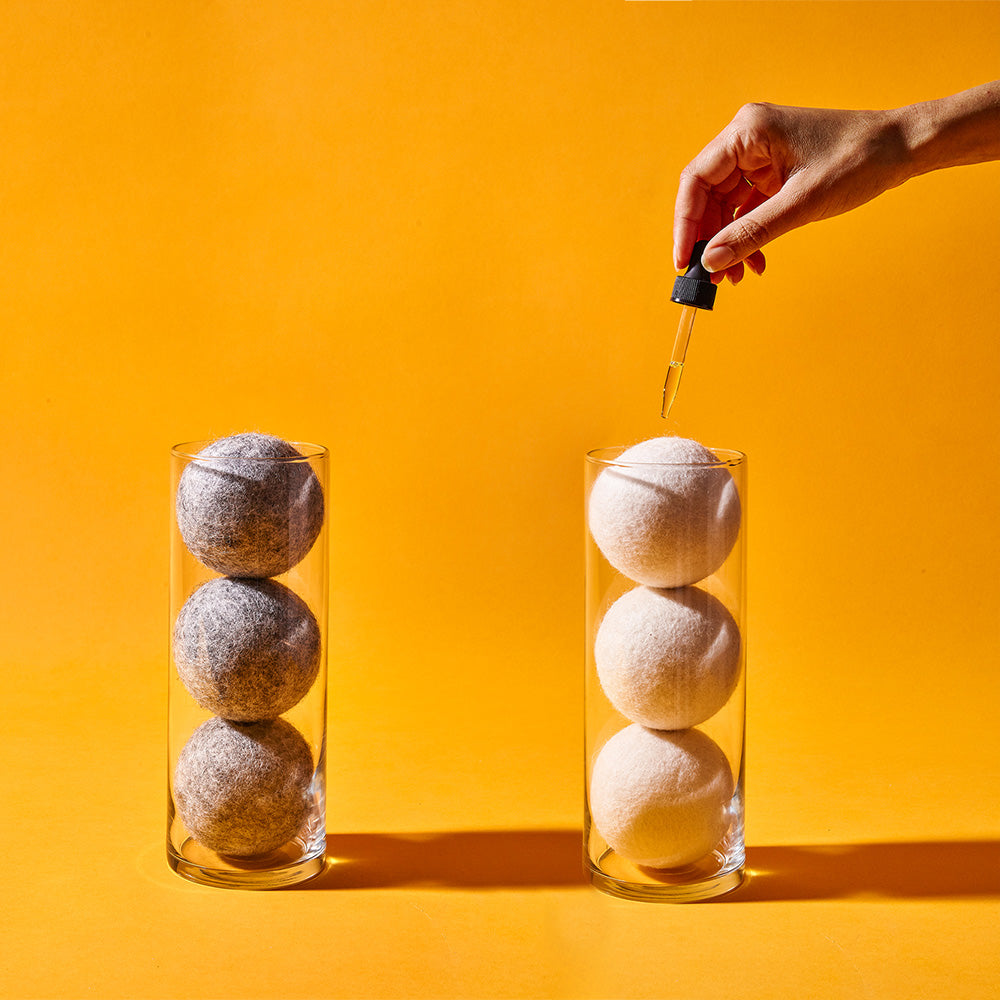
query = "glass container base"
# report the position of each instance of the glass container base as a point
(714, 877)
(277, 870)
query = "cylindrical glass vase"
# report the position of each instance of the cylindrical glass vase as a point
(246, 804)
(665, 670)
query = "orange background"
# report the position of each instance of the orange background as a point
(435, 236)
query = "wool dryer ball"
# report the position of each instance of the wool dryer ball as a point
(242, 789)
(669, 522)
(668, 659)
(249, 505)
(246, 649)
(661, 799)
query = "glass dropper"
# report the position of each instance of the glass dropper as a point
(676, 368)
(693, 290)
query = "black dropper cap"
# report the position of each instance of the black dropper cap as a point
(694, 287)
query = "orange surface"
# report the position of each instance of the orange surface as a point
(436, 237)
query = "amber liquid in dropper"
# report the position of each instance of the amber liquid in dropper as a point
(670, 386)
(677, 356)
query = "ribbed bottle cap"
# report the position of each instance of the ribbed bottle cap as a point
(694, 287)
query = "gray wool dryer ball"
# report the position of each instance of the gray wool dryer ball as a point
(661, 800)
(246, 649)
(249, 505)
(242, 789)
(669, 522)
(668, 659)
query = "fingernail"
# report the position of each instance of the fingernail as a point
(717, 258)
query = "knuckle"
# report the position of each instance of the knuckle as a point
(748, 234)
(755, 114)
(691, 176)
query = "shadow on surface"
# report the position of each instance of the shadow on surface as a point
(525, 859)
(908, 870)
(479, 859)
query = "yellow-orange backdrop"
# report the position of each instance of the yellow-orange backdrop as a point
(435, 236)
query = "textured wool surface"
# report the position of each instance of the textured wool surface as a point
(246, 649)
(245, 507)
(661, 799)
(670, 519)
(242, 789)
(668, 659)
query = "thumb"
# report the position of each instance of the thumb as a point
(770, 219)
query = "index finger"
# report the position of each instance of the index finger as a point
(715, 168)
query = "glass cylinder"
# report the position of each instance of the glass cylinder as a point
(665, 670)
(246, 804)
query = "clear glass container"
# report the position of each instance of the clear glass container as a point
(665, 675)
(247, 686)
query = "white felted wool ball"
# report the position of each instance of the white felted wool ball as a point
(668, 659)
(671, 519)
(243, 788)
(245, 507)
(246, 649)
(660, 799)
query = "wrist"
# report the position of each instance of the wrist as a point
(959, 129)
(921, 126)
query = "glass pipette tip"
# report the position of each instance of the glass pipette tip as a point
(677, 355)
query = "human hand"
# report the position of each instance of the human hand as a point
(775, 168)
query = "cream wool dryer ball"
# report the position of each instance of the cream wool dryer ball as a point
(668, 659)
(246, 649)
(661, 799)
(242, 789)
(249, 505)
(670, 517)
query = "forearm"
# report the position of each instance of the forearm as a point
(960, 129)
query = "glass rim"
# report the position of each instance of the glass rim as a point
(192, 450)
(726, 458)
